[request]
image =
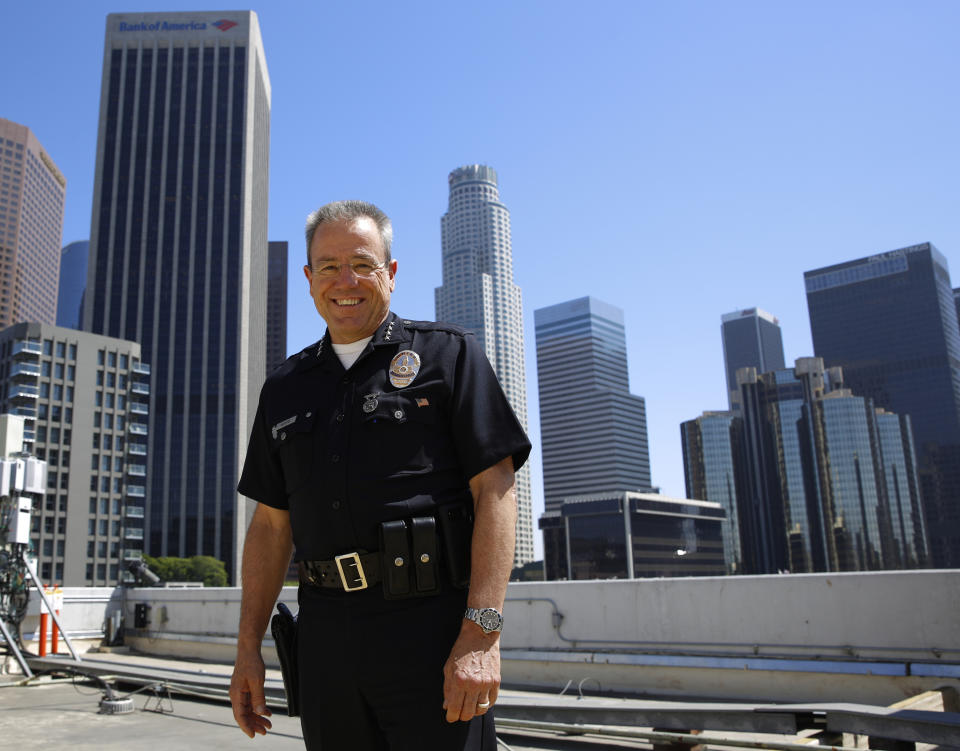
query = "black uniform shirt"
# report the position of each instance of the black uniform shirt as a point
(344, 450)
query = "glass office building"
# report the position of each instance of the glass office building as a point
(828, 474)
(714, 468)
(178, 255)
(751, 339)
(73, 284)
(641, 535)
(890, 320)
(276, 304)
(478, 293)
(593, 430)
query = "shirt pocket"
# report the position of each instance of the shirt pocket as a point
(401, 432)
(294, 442)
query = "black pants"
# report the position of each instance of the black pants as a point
(371, 673)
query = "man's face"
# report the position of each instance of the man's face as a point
(353, 306)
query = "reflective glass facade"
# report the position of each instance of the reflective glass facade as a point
(178, 254)
(593, 430)
(276, 304)
(890, 321)
(640, 535)
(73, 284)
(714, 467)
(832, 481)
(751, 339)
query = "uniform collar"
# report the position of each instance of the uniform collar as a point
(392, 331)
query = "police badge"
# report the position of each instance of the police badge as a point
(404, 368)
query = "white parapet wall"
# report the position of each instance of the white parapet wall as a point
(873, 637)
(867, 637)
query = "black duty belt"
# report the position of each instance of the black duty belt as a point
(349, 572)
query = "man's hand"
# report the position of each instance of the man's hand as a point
(246, 694)
(471, 676)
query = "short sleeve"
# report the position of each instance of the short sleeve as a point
(262, 475)
(484, 425)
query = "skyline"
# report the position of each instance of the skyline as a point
(744, 145)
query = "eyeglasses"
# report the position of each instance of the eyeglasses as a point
(360, 268)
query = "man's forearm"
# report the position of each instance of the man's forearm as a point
(266, 556)
(494, 536)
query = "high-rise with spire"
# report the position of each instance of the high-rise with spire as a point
(178, 255)
(478, 293)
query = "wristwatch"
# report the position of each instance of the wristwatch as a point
(489, 619)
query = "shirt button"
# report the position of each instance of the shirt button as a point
(336, 505)
(309, 414)
(340, 417)
(398, 414)
(335, 458)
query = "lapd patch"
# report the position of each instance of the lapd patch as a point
(404, 368)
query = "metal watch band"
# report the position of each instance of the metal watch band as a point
(489, 619)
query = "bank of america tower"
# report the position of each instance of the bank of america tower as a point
(478, 293)
(178, 255)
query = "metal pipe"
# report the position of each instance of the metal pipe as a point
(56, 618)
(682, 738)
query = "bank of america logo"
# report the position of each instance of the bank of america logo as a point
(224, 25)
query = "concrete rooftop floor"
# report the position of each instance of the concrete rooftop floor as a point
(50, 713)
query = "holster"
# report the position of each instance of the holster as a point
(456, 534)
(283, 627)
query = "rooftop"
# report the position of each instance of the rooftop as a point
(773, 662)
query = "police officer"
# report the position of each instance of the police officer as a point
(385, 454)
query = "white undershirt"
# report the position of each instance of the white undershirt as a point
(348, 353)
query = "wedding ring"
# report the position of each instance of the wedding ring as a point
(483, 704)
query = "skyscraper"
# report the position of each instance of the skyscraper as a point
(478, 293)
(276, 304)
(178, 254)
(833, 482)
(751, 339)
(31, 227)
(890, 321)
(73, 284)
(593, 430)
(715, 469)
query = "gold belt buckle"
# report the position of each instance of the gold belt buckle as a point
(354, 560)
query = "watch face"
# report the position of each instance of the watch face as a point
(490, 620)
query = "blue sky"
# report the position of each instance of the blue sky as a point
(679, 160)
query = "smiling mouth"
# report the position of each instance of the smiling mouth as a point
(348, 302)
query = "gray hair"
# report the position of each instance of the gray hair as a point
(346, 211)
